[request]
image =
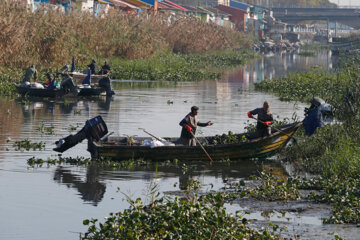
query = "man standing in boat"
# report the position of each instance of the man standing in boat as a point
(30, 73)
(93, 67)
(265, 119)
(189, 125)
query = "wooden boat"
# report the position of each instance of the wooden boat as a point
(117, 148)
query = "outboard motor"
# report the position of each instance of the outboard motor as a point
(105, 83)
(94, 128)
(319, 114)
(67, 84)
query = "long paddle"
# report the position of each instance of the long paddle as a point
(207, 154)
(295, 140)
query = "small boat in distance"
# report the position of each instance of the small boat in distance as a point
(67, 87)
(58, 92)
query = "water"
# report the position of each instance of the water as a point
(51, 202)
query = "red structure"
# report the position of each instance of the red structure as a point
(238, 16)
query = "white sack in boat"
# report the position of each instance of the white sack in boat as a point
(36, 85)
(156, 143)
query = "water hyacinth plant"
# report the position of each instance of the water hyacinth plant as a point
(27, 144)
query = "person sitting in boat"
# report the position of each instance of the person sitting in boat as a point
(264, 120)
(189, 125)
(31, 73)
(105, 69)
(93, 67)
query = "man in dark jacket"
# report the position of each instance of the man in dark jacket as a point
(105, 69)
(93, 67)
(189, 125)
(265, 119)
(31, 73)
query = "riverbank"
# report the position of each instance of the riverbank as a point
(333, 153)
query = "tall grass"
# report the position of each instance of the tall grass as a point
(49, 38)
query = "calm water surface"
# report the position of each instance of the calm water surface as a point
(51, 202)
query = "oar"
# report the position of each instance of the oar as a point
(159, 139)
(277, 129)
(211, 160)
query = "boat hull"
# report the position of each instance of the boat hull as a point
(57, 93)
(79, 77)
(256, 148)
(93, 91)
(40, 92)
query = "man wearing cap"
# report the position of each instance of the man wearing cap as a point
(265, 119)
(189, 125)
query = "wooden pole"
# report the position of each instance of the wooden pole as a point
(206, 153)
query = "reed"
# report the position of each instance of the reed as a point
(49, 38)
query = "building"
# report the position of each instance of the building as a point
(237, 17)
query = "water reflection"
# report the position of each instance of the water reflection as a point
(90, 189)
(271, 66)
(30, 106)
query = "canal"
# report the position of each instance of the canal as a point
(50, 202)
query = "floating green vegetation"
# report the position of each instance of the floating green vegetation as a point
(266, 186)
(272, 188)
(228, 138)
(177, 68)
(166, 218)
(27, 145)
(7, 79)
(38, 162)
(43, 129)
(316, 46)
(73, 128)
(102, 162)
(307, 53)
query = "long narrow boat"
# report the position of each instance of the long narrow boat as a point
(117, 148)
(39, 92)
(57, 92)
